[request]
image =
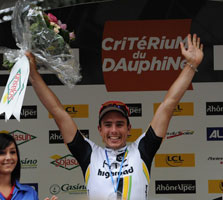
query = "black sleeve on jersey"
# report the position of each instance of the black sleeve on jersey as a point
(148, 146)
(81, 150)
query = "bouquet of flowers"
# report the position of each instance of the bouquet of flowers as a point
(47, 38)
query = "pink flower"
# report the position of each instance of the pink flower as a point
(63, 26)
(72, 35)
(52, 18)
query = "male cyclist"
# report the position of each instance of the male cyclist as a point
(119, 170)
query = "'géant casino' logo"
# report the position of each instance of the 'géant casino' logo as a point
(68, 188)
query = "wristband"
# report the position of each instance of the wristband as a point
(191, 66)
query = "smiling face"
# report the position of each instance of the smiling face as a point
(114, 130)
(8, 159)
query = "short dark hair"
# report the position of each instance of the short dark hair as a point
(5, 141)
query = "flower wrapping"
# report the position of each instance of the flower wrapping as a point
(47, 38)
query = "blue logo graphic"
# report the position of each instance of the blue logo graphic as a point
(214, 133)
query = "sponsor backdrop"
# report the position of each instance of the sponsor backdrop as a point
(137, 66)
(187, 166)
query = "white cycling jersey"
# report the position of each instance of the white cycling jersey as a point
(134, 176)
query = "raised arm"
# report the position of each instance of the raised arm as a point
(63, 120)
(194, 55)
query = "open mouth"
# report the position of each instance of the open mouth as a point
(114, 138)
(8, 164)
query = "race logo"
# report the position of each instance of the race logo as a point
(182, 109)
(27, 112)
(56, 138)
(135, 109)
(174, 160)
(214, 108)
(137, 55)
(68, 188)
(175, 187)
(76, 111)
(67, 162)
(215, 186)
(22, 137)
(134, 134)
(174, 134)
(28, 163)
(215, 133)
